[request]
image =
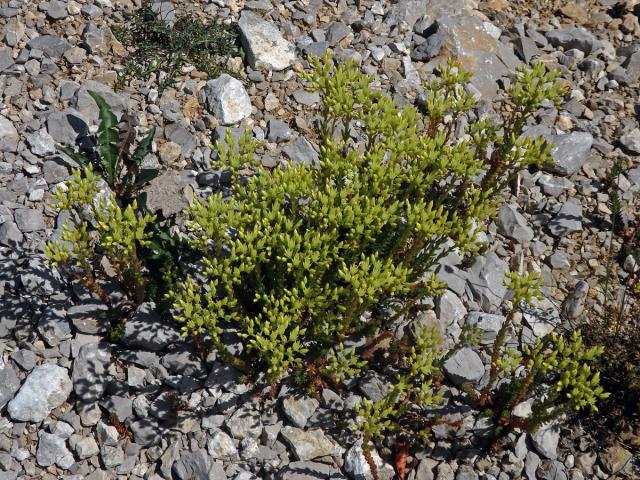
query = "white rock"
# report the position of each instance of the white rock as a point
(264, 44)
(46, 388)
(227, 99)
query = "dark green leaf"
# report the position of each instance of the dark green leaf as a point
(146, 175)
(145, 146)
(108, 138)
(79, 158)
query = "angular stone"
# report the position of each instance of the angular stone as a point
(570, 151)
(39, 278)
(51, 45)
(221, 445)
(373, 385)
(67, 126)
(9, 137)
(89, 317)
(244, 423)
(615, 458)
(567, 220)
(464, 366)
(226, 98)
(41, 143)
(299, 410)
(305, 470)
(10, 234)
(147, 330)
(574, 37)
(54, 326)
(9, 382)
(87, 107)
(264, 44)
(450, 308)
(54, 172)
(484, 280)
(90, 371)
(631, 141)
(512, 224)
(29, 220)
(86, 447)
(146, 431)
(53, 450)
(357, 466)
(301, 152)
(489, 324)
(165, 193)
(309, 444)
(545, 440)
(47, 387)
(197, 466)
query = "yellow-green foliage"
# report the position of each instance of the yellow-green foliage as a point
(412, 389)
(99, 228)
(556, 366)
(295, 257)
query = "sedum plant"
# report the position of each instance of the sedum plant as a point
(556, 371)
(298, 254)
(102, 240)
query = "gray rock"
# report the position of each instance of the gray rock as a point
(299, 409)
(6, 58)
(555, 471)
(65, 127)
(55, 9)
(146, 431)
(244, 422)
(431, 48)
(197, 466)
(165, 193)
(90, 371)
(47, 387)
(464, 366)
(373, 386)
(54, 172)
(337, 32)
(39, 278)
(309, 444)
(559, 261)
(264, 44)
(227, 99)
(29, 220)
(87, 107)
(10, 383)
(531, 464)
(147, 330)
(466, 472)
(490, 324)
(574, 37)
(54, 326)
(573, 306)
(631, 141)
(86, 447)
(41, 143)
(53, 450)
(89, 317)
(9, 137)
(10, 234)
(221, 445)
(484, 281)
(554, 186)
(301, 152)
(278, 131)
(512, 224)
(50, 45)
(567, 220)
(107, 434)
(570, 152)
(545, 440)
(305, 470)
(450, 308)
